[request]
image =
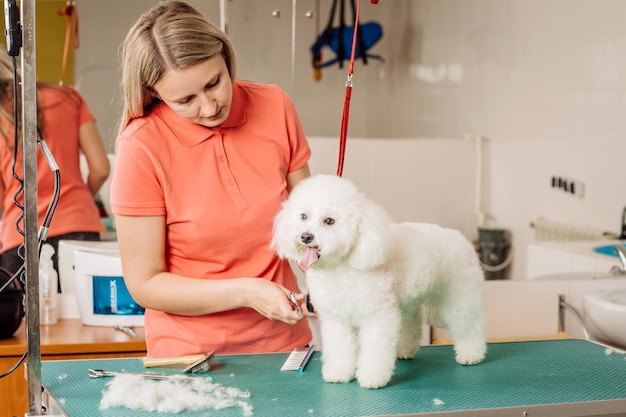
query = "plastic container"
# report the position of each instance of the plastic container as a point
(494, 251)
(48, 287)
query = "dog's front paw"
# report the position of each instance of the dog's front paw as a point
(337, 374)
(471, 354)
(373, 378)
(407, 350)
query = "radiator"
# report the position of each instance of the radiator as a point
(551, 230)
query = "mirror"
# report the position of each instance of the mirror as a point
(451, 69)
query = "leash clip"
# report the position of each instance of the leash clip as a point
(349, 81)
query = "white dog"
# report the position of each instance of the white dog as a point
(373, 281)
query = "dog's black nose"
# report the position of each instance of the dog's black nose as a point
(307, 237)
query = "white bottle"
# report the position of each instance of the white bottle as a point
(48, 286)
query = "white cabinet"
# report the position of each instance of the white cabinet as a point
(529, 309)
(562, 258)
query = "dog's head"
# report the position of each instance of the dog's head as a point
(327, 222)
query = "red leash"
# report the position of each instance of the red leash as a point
(72, 17)
(343, 133)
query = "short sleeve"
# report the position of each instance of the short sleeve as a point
(300, 150)
(84, 112)
(136, 188)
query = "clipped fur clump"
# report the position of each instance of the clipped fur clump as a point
(374, 282)
(173, 395)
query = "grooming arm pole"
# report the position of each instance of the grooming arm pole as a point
(29, 155)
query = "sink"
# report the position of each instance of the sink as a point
(605, 313)
(607, 250)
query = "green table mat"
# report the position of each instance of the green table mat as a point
(558, 377)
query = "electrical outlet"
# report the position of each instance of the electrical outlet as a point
(573, 187)
(577, 188)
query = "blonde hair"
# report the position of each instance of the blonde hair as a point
(170, 35)
(7, 110)
(7, 96)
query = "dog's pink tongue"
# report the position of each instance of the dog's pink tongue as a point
(309, 259)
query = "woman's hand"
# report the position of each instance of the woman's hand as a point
(274, 301)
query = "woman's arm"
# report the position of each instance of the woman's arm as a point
(97, 160)
(293, 178)
(2, 191)
(142, 246)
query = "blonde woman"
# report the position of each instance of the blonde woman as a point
(203, 163)
(68, 128)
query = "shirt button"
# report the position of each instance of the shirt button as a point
(222, 159)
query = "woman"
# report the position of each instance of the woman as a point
(68, 128)
(203, 163)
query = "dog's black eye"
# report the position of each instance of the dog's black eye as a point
(329, 221)
(303, 216)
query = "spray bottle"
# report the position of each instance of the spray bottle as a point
(48, 286)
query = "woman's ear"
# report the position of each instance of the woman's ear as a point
(373, 243)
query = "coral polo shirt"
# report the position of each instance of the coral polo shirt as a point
(64, 111)
(219, 190)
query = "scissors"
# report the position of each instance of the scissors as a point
(100, 373)
(293, 299)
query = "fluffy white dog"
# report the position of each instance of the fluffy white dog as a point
(373, 282)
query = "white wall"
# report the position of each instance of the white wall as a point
(543, 80)
(404, 174)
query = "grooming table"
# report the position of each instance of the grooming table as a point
(540, 378)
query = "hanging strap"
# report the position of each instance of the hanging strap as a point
(343, 133)
(72, 21)
(359, 37)
(341, 47)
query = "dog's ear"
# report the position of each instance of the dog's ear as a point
(280, 236)
(373, 243)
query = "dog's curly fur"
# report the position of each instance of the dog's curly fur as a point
(376, 281)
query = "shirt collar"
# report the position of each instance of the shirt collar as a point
(192, 134)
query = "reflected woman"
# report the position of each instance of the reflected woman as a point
(69, 129)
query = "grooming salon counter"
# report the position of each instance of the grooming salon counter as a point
(539, 378)
(68, 339)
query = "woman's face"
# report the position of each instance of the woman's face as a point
(201, 93)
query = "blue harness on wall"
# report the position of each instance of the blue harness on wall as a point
(339, 39)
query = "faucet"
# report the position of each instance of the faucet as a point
(621, 252)
(622, 235)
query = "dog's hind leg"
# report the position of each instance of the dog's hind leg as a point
(339, 351)
(469, 344)
(410, 333)
(465, 320)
